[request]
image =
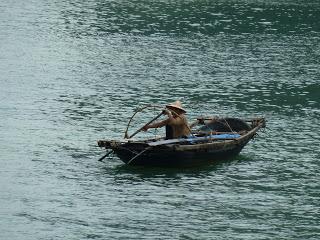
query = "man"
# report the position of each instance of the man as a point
(176, 123)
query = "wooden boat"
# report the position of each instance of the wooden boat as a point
(216, 139)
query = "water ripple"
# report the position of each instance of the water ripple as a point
(73, 72)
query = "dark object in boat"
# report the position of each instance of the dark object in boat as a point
(217, 139)
(226, 125)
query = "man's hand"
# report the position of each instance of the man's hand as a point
(165, 112)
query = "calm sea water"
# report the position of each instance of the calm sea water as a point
(72, 72)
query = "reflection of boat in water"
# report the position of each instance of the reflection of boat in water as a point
(216, 139)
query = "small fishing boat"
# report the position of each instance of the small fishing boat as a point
(212, 139)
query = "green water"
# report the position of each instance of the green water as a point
(73, 72)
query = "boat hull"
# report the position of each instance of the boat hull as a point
(172, 158)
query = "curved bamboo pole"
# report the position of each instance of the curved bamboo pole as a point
(134, 114)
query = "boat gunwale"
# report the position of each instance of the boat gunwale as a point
(124, 144)
(237, 141)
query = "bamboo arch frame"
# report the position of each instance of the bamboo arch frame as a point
(143, 108)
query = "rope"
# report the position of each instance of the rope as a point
(138, 155)
(228, 126)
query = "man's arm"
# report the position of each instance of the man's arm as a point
(158, 124)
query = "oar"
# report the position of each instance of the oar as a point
(107, 154)
(139, 130)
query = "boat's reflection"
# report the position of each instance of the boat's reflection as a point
(145, 172)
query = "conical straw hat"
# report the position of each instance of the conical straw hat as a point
(177, 105)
